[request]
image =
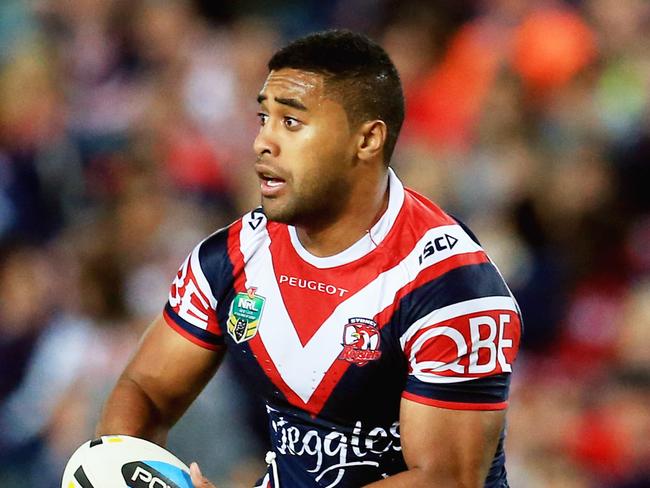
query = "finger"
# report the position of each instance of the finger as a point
(198, 480)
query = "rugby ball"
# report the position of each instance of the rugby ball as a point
(121, 461)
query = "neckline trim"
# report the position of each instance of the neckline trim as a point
(368, 241)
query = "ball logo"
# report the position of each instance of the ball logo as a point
(361, 341)
(140, 475)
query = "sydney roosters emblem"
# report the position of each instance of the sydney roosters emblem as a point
(361, 341)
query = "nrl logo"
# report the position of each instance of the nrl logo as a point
(245, 313)
(360, 341)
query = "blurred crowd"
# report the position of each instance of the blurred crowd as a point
(126, 132)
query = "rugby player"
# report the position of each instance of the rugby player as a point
(378, 332)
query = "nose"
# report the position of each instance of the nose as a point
(265, 142)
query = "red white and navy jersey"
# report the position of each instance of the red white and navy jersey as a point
(415, 309)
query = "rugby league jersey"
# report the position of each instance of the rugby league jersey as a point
(415, 309)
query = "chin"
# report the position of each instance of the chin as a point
(275, 213)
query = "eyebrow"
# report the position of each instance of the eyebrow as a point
(291, 102)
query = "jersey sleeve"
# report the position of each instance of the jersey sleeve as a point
(463, 340)
(192, 304)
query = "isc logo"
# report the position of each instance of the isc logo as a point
(436, 245)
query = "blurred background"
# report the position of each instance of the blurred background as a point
(126, 132)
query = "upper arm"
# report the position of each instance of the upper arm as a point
(453, 447)
(181, 350)
(460, 345)
(463, 340)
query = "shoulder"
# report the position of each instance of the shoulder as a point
(237, 242)
(423, 212)
(434, 234)
(240, 233)
(447, 263)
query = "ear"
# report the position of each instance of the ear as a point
(372, 137)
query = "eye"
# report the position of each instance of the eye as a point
(263, 118)
(291, 123)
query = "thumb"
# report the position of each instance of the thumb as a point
(198, 480)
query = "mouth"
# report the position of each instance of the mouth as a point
(271, 185)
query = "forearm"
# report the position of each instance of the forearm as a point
(163, 378)
(130, 411)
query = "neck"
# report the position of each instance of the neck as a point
(361, 213)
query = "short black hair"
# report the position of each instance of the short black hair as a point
(358, 69)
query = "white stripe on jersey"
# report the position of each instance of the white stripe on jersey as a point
(458, 310)
(202, 281)
(197, 287)
(303, 368)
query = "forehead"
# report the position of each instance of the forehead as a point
(294, 83)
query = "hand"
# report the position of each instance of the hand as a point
(198, 480)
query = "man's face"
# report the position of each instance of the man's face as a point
(305, 149)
